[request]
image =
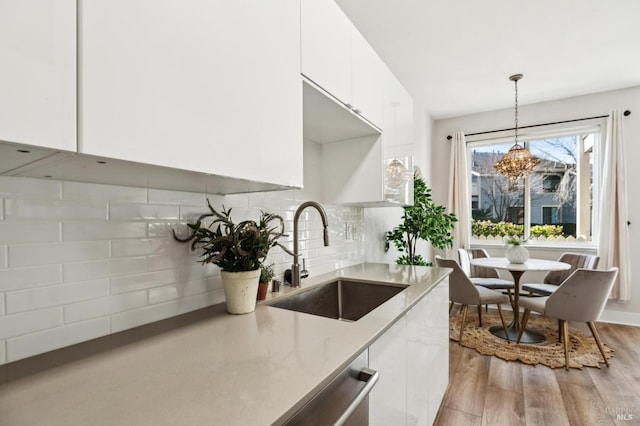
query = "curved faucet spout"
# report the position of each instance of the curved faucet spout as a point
(295, 267)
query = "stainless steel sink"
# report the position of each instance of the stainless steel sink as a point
(341, 299)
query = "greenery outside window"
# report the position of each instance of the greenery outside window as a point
(555, 203)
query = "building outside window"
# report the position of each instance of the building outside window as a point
(554, 202)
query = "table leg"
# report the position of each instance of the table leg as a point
(513, 328)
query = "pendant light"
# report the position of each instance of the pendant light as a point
(518, 162)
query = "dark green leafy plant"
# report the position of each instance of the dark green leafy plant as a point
(234, 247)
(426, 221)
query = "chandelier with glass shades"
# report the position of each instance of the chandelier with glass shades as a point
(518, 162)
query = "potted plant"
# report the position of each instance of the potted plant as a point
(238, 249)
(516, 252)
(266, 275)
(425, 220)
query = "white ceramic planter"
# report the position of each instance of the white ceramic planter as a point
(240, 290)
(517, 254)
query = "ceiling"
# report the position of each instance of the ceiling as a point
(455, 56)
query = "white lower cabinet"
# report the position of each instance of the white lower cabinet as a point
(427, 355)
(387, 355)
(412, 358)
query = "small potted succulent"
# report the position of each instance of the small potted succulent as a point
(266, 275)
(516, 252)
(238, 249)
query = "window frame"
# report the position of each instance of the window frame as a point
(596, 127)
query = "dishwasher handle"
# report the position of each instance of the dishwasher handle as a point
(371, 378)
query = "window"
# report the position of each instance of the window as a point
(554, 201)
(551, 183)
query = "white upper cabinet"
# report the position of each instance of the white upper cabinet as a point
(326, 47)
(338, 59)
(38, 73)
(210, 86)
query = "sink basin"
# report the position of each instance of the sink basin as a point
(342, 299)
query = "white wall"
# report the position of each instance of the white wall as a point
(564, 109)
(80, 261)
(382, 219)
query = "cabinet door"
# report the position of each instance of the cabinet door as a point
(211, 86)
(326, 47)
(387, 355)
(427, 355)
(38, 73)
(367, 85)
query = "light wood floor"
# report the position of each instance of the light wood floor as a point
(485, 390)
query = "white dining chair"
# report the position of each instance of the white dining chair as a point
(581, 297)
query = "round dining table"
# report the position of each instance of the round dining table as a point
(517, 270)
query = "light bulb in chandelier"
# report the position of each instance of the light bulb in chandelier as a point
(517, 162)
(396, 174)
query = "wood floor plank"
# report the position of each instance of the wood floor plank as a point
(503, 407)
(583, 405)
(483, 389)
(449, 417)
(469, 382)
(505, 375)
(543, 404)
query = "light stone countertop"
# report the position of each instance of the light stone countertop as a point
(213, 368)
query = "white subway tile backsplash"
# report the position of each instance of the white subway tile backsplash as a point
(104, 306)
(43, 254)
(96, 192)
(147, 280)
(53, 210)
(80, 260)
(160, 196)
(91, 231)
(136, 317)
(30, 188)
(4, 256)
(142, 212)
(162, 229)
(29, 232)
(30, 322)
(42, 297)
(55, 338)
(146, 247)
(24, 278)
(162, 294)
(81, 271)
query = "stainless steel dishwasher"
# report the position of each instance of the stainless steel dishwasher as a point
(344, 401)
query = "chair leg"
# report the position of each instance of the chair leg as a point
(450, 307)
(559, 332)
(523, 323)
(464, 319)
(565, 339)
(596, 336)
(479, 315)
(510, 297)
(504, 325)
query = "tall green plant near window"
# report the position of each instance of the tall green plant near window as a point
(425, 220)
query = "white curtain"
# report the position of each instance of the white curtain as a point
(459, 194)
(613, 244)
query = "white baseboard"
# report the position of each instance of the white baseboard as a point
(619, 317)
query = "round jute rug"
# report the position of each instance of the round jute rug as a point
(583, 351)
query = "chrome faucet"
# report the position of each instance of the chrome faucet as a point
(295, 267)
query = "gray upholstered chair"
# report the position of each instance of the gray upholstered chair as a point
(462, 290)
(553, 279)
(485, 277)
(581, 297)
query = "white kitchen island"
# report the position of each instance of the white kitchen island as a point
(209, 367)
